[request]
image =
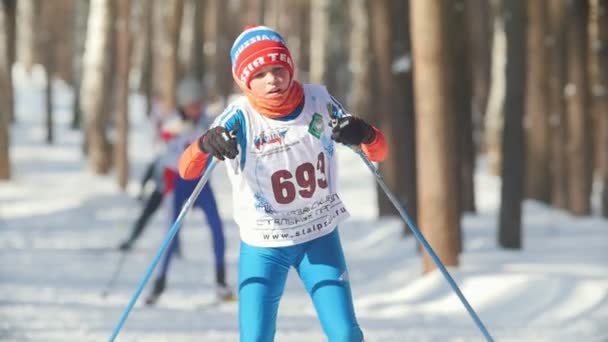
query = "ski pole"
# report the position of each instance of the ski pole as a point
(165, 244)
(114, 277)
(423, 241)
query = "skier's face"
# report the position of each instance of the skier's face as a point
(193, 110)
(270, 81)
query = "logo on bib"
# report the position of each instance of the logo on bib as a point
(316, 125)
(276, 136)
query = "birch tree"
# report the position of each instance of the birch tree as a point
(94, 90)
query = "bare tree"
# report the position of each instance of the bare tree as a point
(461, 81)
(172, 18)
(391, 88)
(598, 73)
(197, 51)
(81, 13)
(144, 43)
(320, 34)
(557, 118)
(5, 100)
(27, 26)
(360, 101)
(479, 34)
(538, 180)
(494, 119)
(577, 112)
(94, 90)
(390, 113)
(438, 213)
(224, 35)
(291, 18)
(10, 10)
(123, 40)
(403, 114)
(62, 35)
(514, 15)
(46, 47)
(10, 15)
(299, 37)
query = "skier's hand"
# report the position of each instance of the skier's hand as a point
(351, 130)
(218, 142)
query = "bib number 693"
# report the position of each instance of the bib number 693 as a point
(306, 181)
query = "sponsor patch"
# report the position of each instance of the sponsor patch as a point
(316, 125)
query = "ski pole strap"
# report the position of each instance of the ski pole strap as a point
(423, 241)
(165, 244)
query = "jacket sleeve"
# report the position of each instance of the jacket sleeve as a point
(192, 162)
(377, 149)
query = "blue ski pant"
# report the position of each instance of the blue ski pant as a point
(321, 267)
(206, 202)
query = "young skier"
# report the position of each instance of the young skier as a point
(161, 183)
(282, 167)
(183, 127)
(151, 203)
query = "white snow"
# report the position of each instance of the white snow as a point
(60, 224)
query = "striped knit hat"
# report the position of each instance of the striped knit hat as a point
(256, 47)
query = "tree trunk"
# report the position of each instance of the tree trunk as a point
(557, 118)
(185, 63)
(462, 126)
(389, 115)
(172, 18)
(62, 35)
(146, 35)
(46, 41)
(479, 29)
(437, 209)
(123, 40)
(301, 36)
(80, 34)
(577, 112)
(404, 114)
(598, 73)
(383, 115)
(27, 26)
(360, 101)
(513, 147)
(211, 54)
(224, 38)
(537, 105)
(320, 37)
(10, 9)
(10, 15)
(94, 91)
(494, 114)
(198, 51)
(5, 100)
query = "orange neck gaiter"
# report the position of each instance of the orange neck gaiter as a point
(277, 107)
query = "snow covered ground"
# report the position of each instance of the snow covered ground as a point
(59, 226)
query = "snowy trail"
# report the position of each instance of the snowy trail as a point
(59, 226)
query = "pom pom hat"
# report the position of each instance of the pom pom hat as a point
(256, 47)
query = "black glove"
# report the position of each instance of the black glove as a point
(218, 142)
(351, 130)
